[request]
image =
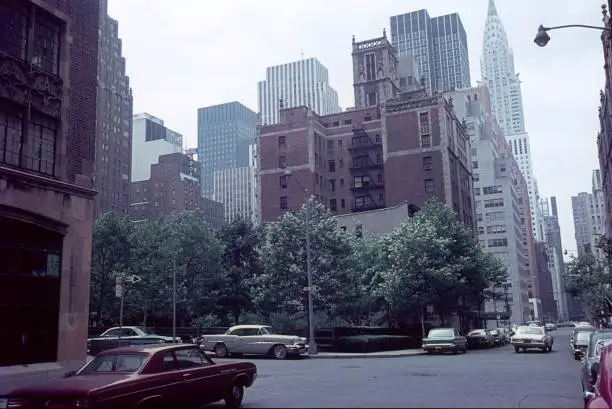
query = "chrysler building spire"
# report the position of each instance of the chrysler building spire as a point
(492, 9)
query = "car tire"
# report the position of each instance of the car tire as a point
(517, 349)
(235, 396)
(550, 348)
(279, 352)
(220, 350)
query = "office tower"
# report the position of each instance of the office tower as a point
(347, 169)
(150, 140)
(545, 283)
(497, 68)
(225, 133)
(238, 190)
(298, 83)
(590, 218)
(439, 46)
(48, 55)
(498, 198)
(173, 187)
(112, 168)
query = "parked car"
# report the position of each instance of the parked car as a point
(445, 340)
(590, 363)
(580, 344)
(125, 336)
(531, 337)
(498, 338)
(480, 338)
(601, 396)
(255, 340)
(142, 376)
(581, 328)
(549, 326)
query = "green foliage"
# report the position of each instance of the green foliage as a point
(259, 274)
(586, 279)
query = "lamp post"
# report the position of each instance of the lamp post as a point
(312, 343)
(542, 38)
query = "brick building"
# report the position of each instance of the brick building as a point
(174, 187)
(604, 138)
(395, 146)
(48, 68)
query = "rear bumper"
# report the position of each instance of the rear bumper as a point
(529, 345)
(439, 347)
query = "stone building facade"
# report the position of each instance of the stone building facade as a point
(48, 69)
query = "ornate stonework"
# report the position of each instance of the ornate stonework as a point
(18, 83)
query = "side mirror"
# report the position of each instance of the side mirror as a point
(69, 374)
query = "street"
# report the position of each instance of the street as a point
(481, 378)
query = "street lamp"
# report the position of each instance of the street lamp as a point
(312, 343)
(542, 38)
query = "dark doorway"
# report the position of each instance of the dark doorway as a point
(30, 266)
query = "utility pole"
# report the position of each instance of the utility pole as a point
(121, 287)
(312, 343)
(174, 300)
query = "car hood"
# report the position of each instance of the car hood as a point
(74, 385)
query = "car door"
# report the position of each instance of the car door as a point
(202, 379)
(251, 341)
(235, 341)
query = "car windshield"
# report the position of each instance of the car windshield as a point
(124, 363)
(601, 345)
(530, 330)
(441, 333)
(477, 332)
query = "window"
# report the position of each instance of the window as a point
(371, 99)
(40, 156)
(340, 163)
(190, 358)
(424, 123)
(361, 181)
(427, 165)
(330, 146)
(341, 183)
(11, 136)
(347, 122)
(339, 143)
(477, 191)
(496, 229)
(282, 161)
(331, 165)
(489, 190)
(283, 202)
(429, 186)
(46, 45)
(342, 203)
(13, 29)
(283, 182)
(425, 141)
(497, 242)
(370, 66)
(168, 362)
(475, 164)
(332, 185)
(282, 142)
(332, 205)
(494, 203)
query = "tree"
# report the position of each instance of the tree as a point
(111, 255)
(282, 285)
(586, 279)
(241, 240)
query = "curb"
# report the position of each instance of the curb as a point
(365, 355)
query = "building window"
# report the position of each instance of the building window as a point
(283, 202)
(425, 141)
(424, 123)
(330, 146)
(332, 165)
(42, 134)
(282, 142)
(46, 45)
(474, 164)
(332, 205)
(341, 183)
(427, 163)
(283, 182)
(342, 203)
(339, 143)
(282, 161)
(13, 29)
(11, 132)
(429, 186)
(370, 66)
(494, 203)
(489, 190)
(371, 99)
(332, 185)
(340, 163)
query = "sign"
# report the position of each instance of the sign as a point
(133, 279)
(314, 288)
(118, 290)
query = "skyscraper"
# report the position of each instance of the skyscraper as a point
(299, 83)
(114, 125)
(497, 69)
(439, 46)
(225, 133)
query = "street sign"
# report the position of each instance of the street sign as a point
(133, 279)
(118, 290)
(314, 288)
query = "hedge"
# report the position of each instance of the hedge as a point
(375, 343)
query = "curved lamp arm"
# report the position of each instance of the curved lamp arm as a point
(542, 28)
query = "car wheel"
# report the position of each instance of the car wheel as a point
(279, 352)
(220, 350)
(550, 348)
(517, 349)
(235, 396)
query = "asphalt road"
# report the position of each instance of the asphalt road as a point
(479, 379)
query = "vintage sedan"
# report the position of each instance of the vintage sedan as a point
(480, 338)
(528, 337)
(445, 340)
(580, 344)
(142, 377)
(254, 340)
(125, 336)
(601, 396)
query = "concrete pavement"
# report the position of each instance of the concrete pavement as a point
(479, 379)
(384, 354)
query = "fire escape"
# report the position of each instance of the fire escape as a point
(367, 172)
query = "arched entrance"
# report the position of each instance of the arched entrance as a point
(30, 269)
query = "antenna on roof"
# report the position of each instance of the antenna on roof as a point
(302, 53)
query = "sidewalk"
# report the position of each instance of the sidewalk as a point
(383, 354)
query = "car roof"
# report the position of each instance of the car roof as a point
(147, 349)
(247, 326)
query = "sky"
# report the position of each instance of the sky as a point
(186, 54)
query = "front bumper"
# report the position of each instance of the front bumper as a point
(297, 349)
(439, 347)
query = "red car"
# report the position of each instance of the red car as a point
(601, 397)
(145, 376)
